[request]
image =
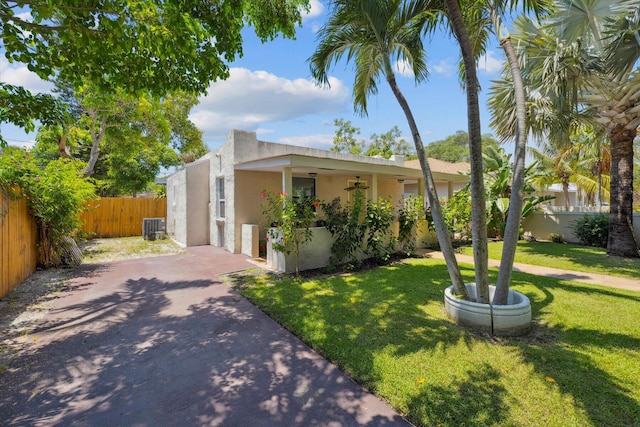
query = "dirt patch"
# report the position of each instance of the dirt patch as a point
(106, 250)
(22, 308)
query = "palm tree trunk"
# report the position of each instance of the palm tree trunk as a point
(436, 210)
(621, 239)
(478, 211)
(512, 229)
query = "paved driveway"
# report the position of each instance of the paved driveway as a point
(163, 342)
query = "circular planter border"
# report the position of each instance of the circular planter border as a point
(513, 319)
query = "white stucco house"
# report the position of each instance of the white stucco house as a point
(216, 199)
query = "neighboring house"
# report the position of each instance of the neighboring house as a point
(210, 200)
(457, 174)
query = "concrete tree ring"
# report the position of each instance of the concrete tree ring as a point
(513, 319)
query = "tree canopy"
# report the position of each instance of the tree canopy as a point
(149, 45)
(455, 148)
(124, 140)
(384, 145)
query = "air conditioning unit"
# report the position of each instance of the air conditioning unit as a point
(153, 228)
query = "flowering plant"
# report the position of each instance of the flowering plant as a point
(290, 220)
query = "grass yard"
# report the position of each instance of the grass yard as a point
(119, 248)
(568, 257)
(386, 327)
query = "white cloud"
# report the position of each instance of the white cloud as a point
(444, 67)
(22, 144)
(248, 99)
(404, 69)
(323, 141)
(315, 10)
(489, 63)
(19, 75)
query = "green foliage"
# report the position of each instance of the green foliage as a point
(359, 228)
(134, 45)
(380, 241)
(344, 141)
(389, 144)
(457, 214)
(592, 230)
(498, 173)
(555, 238)
(384, 145)
(135, 136)
(347, 227)
(56, 194)
(289, 222)
(455, 148)
(20, 107)
(410, 214)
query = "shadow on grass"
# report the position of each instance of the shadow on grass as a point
(476, 400)
(584, 255)
(352, 318)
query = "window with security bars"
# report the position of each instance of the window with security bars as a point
(221, 200)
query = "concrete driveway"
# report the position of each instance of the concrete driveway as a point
(163, 342)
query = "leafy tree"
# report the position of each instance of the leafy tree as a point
(374, 34)
(134, 136)
(498, 175)
(577, 160)
(455, 148)
(344, 140)
(584, 60)
(384, 145)
(133, 45)
(56, 194)
(389, 144)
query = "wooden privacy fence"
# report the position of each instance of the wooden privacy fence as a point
(18, 243)
(120, 216)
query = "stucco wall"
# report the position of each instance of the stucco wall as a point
(221, 229)
(188, 204)
(541, 224)
(442, 188)
(177, 206)
(197, 213)
(249, 184)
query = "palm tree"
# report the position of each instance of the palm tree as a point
(484, 17)
(374, 34)
(584, 63)
(574, 160)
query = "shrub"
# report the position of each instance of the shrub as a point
(410, 213)
(347, 227)
(555, 238)
(457, 214)
(56, 194)
(380, 242)
(292, 218)
(592, 230)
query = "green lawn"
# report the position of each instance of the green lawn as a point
(580, 365)
(568, 257)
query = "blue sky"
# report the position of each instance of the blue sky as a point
(270, 91)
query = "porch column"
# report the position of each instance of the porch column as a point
(287, 181)
(374, 187)
(449, 190)
(421, 187)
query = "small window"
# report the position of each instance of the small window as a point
(221, 200)
(303, 188)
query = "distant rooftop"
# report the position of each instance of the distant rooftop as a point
(441, 166)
